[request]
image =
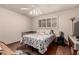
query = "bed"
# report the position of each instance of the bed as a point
(38, 41)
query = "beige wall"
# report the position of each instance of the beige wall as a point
(64, 23)
(11, 25)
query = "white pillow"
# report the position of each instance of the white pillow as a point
(40, 32)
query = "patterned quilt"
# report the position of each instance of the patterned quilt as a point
(38, 41)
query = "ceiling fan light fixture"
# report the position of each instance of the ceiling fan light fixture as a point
(25, 8)
(35, 12)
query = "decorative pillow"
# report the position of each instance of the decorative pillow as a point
(40, 32)
(47, 32)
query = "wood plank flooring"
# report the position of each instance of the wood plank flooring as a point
(58, 50)
(53, 49)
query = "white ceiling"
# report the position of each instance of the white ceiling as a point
(44, 8)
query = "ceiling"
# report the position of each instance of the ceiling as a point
(43, 8)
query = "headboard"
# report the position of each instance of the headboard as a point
(28, 32)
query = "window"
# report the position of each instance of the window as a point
(49, 22)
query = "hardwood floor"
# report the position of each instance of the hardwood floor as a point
(53, 49)
(58, 50)
(14, 46)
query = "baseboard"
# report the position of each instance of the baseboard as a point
(13, 42)
(3, 42)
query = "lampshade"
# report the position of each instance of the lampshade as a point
(73, 18)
